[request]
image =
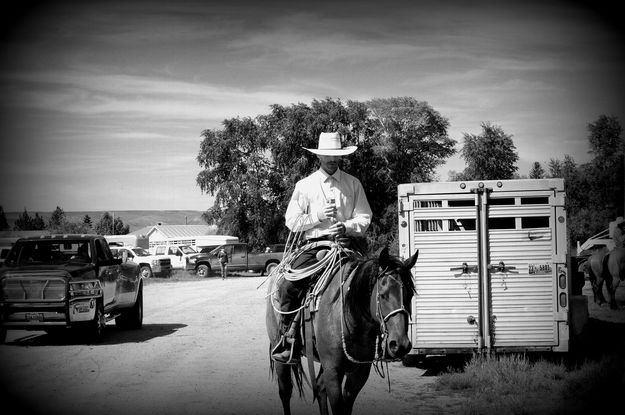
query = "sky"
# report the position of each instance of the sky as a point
(104, 102)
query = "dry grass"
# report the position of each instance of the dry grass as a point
(514, 384)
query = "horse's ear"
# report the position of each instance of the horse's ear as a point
(384, 259)
(409, 263)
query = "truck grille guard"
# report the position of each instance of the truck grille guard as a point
(33, 287)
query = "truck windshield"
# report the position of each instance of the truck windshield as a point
(141, 252)
(187, 250)
(48, 252)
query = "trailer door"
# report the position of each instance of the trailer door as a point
(491, 270)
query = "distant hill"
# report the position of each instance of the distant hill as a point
(135, 219)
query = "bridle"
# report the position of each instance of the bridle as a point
(379, 313)
(382, 337)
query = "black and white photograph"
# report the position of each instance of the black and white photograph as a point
(329, 207)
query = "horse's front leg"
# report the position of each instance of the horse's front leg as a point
(332, 380)
(322, 394)
(354, 382)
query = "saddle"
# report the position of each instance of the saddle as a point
(334, 261)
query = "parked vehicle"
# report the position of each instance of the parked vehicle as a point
(205, 241)
(241, 259)
(149, 265)
(184, 257)
(4, 251)
(68, 281)
(129, 240)
(275, 248)
(492, 273)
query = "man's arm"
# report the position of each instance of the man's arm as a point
(358, 224)
(298, 217)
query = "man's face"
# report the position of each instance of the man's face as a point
(329, 164)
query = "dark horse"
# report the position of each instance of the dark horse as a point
(363, 320)
(608, 266)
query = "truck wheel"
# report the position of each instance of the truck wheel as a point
(132, 318)
(94, 329)
(203, 271)
(270, 267)
(145, 271)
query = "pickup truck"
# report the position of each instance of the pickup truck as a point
(184, 257)
(241, 259)
(149, 265)
(68, 281)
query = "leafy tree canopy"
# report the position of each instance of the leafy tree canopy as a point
(490, 155)
(594, 190)
(537, 171)
(251, 165)
(109, 226)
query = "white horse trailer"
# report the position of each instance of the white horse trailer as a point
(492, 269)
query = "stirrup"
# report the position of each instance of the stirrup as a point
(282, 353)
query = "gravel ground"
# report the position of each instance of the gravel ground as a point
(203, 350)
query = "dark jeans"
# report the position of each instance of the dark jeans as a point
(291, 292)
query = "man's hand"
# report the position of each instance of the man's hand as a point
(337, 229)
(328, 212)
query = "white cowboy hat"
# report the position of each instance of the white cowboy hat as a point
(330, 145)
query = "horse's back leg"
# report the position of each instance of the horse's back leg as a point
(285, 386)
(354, 382)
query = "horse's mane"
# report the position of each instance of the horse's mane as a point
(365, 275)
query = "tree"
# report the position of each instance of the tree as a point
(109, 226)
(251, 165)
(606, 172)
(4, 225)
(38, 223)
(57, 220)
(537, 171)
(594, 191)
(24, 222)
(490, 155)
(86, 221)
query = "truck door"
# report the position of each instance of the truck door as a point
(491, 271)
(178, 260)
(107, 272)
(238, 257)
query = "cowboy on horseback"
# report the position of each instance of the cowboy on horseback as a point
(328, 205)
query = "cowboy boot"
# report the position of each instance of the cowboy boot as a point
(286, 350)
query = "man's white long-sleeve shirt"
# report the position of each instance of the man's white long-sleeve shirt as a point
(313, 192)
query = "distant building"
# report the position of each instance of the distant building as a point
(177, 234)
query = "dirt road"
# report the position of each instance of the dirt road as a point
(202, 350)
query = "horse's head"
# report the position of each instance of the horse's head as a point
(391, 299)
